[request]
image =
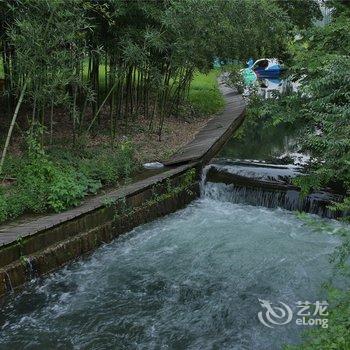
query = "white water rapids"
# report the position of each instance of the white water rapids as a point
(191, 280)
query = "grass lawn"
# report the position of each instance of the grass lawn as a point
(204, 93)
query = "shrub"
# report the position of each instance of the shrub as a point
(109, 165)
(65, 190)
(234, 77)
(59, 181)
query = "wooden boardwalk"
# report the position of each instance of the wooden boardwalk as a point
(204, 146)
(11, 232)
(201, 149)
(208, 140)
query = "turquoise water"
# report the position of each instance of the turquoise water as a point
(191, 280)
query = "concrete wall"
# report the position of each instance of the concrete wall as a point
(49, 249)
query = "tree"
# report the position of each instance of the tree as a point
(302, 13)
(47, 56)
(113, 60)
(321, 60)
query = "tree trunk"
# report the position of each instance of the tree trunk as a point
(13, 122)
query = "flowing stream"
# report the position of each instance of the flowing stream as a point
(191, 280)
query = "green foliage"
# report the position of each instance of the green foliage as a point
(43, 185)
(189, 178)
(137, 57)
(301, 12)
(3, 207)
(109, 201)
(345, 205)
(253, 29)
(322, 105)
(42, 33)
(108, 165)
(337, 335)
(66, 191)
(234, 77)
(59, 181)
(255, 116)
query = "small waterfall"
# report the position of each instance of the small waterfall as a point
(261, 185)
(202, 185)
(30, 268)
(8, 282)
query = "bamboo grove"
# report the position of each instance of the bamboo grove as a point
(108, 62)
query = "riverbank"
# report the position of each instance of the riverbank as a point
(54, 178)
(50, 241)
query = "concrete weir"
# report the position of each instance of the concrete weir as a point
(38, 246)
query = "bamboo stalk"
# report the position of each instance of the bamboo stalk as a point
(13, 122)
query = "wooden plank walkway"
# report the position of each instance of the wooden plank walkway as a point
(11, 232)
(208, 141)
(205, 140)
